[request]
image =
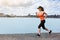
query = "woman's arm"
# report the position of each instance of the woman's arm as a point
(45, 14)
(36, 14)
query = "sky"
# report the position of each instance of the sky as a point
(25, 7)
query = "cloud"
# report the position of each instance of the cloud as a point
(50, 6)
(29, 6)
(15, 2)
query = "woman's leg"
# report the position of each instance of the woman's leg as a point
(43, 26)
(39, 30)
(48, 30)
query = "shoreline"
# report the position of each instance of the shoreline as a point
(26, 17)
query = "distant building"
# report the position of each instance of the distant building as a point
(29, 15)
(2, 14)
(12, 15)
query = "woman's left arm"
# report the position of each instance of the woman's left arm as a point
(45, 14)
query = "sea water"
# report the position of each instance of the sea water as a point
(27, 25)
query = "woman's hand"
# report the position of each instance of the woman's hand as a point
(36, 14)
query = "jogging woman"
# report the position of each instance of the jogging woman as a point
(42, 15)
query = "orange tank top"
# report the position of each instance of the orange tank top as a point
(41, 15)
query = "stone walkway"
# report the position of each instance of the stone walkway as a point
(30, 36)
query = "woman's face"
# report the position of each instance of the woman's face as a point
(40, 9)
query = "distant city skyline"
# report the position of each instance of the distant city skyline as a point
(29, 6)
